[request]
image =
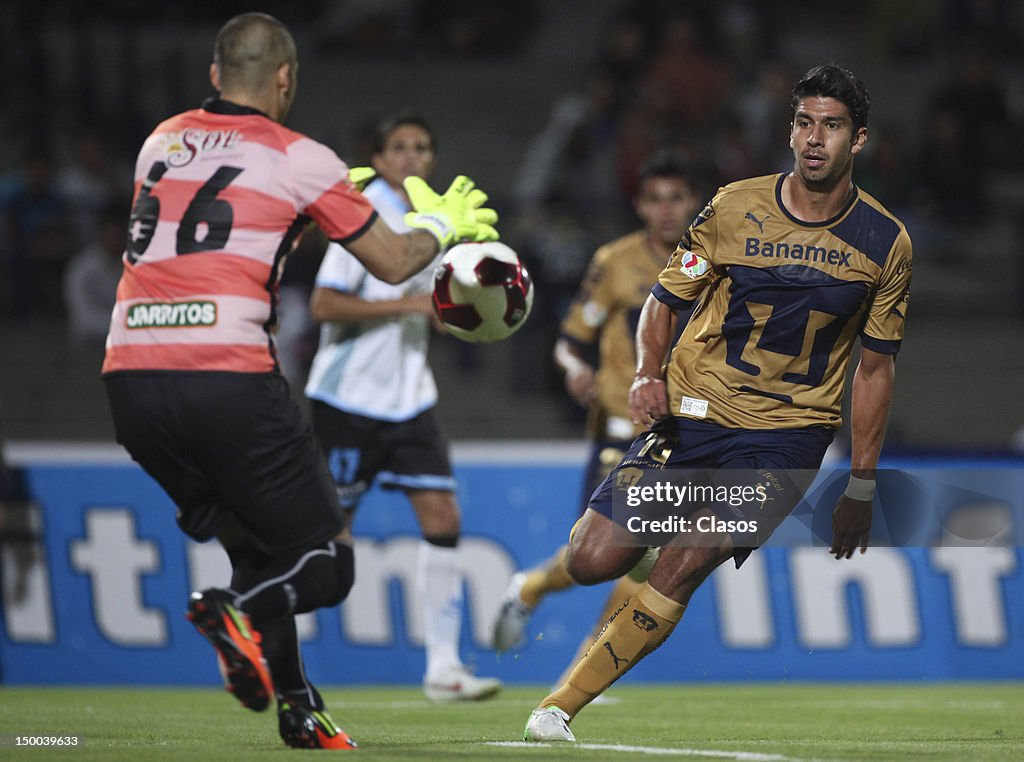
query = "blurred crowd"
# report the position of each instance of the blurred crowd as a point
(65, 166)
(711, 80)
(64, 228)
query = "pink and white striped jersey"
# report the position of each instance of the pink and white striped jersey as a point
(222, 194)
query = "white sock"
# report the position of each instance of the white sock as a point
(439, 586)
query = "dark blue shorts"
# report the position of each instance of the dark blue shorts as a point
(604, 455)
(684, 443)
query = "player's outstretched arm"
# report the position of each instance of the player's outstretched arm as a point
(329, 304)
(392, 256)
(869, 413)
(439, 221)
(648, 400)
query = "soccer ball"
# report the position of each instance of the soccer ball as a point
(482, 292)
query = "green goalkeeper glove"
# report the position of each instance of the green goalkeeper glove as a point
(361, 176)
(459, 215)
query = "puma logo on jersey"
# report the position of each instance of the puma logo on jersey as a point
(760, 223)
(182, 147)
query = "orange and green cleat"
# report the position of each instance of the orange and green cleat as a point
(304, 728)
(239, 654)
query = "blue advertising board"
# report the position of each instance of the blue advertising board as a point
(99, 597)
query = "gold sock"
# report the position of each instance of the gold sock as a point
(625, 588)
(637, 628)
(549, 578)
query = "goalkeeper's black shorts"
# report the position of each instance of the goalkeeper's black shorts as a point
(228, 442)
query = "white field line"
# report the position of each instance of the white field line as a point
(743, 756)
(423, 703)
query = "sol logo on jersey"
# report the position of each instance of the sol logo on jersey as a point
(182, 147)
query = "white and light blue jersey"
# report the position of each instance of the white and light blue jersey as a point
(375, 368)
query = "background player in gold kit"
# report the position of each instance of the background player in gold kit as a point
(786, 271)
(597, 354)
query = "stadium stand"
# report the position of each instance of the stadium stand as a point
(109, 75)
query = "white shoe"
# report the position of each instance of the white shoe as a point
(513, 616)
(458, 684)
(548, 724)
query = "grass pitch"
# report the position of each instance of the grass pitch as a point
(748, 722)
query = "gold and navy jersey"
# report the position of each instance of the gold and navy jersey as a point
(780, 304)
(605, 313)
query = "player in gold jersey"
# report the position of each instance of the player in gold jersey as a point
(786, 272)
(597, 354)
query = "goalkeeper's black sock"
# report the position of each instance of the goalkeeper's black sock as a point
(281, 650)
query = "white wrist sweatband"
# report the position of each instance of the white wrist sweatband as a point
(572, 364)
(860, 489)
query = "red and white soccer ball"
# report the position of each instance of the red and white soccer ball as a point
(482, 292)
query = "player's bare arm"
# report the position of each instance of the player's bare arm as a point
(579, 374)
(648, 400)
(872, 395)
(329, 304)
(378, 246)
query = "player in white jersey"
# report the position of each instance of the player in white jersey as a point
(373, 399)
(221, 194)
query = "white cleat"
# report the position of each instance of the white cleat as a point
(513, 616)
(457, 684)
(548, 724)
